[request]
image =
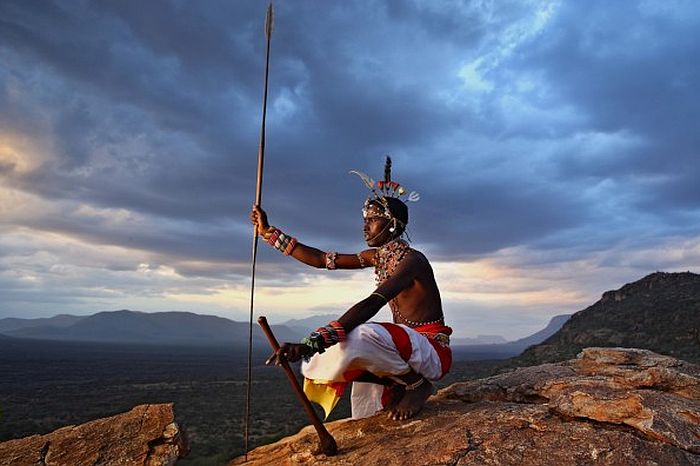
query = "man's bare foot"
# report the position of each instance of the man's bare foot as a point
(412, 402)
(396, 392)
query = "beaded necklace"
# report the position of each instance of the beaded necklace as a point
(387, 259)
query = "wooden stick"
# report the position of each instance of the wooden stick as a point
(328, 445)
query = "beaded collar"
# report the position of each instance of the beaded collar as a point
(387, 259)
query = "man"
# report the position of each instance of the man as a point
(390, 364)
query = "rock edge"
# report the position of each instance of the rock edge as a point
(609, 406)
(145, 436)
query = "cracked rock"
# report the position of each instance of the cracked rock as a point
(145, 436)
(610, 406)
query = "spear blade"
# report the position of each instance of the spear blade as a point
(268, 22)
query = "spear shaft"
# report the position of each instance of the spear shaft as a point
(258, 200)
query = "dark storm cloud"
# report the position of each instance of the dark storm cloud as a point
(154, 107)
(169, 76)
(628, 68)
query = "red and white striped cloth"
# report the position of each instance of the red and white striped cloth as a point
(383, 349)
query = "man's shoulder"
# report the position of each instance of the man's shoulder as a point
(417, 256)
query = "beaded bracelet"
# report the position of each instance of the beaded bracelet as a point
(330, 260)
(315, 342)
(280, 241)
(325, 337)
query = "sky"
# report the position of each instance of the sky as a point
(554, 146)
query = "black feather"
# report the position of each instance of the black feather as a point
(387, 169)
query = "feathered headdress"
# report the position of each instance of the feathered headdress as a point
(385, 188)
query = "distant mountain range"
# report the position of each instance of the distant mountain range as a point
(189, 329)
(660, 312)
(478, 340)
(463, 349)
(307, 324)
(304, 325)
(161, 328)
(11, 324)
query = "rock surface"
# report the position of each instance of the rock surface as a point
(610, 406)
(147, 435)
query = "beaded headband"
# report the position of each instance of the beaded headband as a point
(376, 204)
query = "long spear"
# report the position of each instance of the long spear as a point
(258, 200)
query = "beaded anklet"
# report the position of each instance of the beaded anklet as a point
(414, 385)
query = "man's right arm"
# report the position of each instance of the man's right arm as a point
(312, 256)
(309, 255)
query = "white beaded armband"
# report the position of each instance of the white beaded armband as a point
(330, 260)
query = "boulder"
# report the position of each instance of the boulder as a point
(610, 406)
(145, 436)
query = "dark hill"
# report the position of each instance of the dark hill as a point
(171, 328)
(660, 312)
(10, 324)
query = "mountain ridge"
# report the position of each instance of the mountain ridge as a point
(193, 329)
(9, 324)
(659, 312)
(171, 327)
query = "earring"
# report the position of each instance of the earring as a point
(393, 226)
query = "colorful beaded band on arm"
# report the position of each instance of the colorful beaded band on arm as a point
(325, 337)
(280, 241)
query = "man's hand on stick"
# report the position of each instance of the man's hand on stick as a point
(291, 352)
(259, 219)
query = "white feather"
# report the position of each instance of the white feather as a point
(366, 179)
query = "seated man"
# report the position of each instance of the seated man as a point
(391, 364)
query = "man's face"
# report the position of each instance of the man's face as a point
(376, 231)
(377, 224)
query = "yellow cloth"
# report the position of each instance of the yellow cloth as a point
(326, 394)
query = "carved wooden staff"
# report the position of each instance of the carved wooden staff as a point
(258, 200)
(328, 445)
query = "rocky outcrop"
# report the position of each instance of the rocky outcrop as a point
(145, 436)
(660, 312)
(610, 406)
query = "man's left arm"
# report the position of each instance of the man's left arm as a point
(364, 310)
(401, 279)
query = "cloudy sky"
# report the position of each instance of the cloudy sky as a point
(554, 144)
